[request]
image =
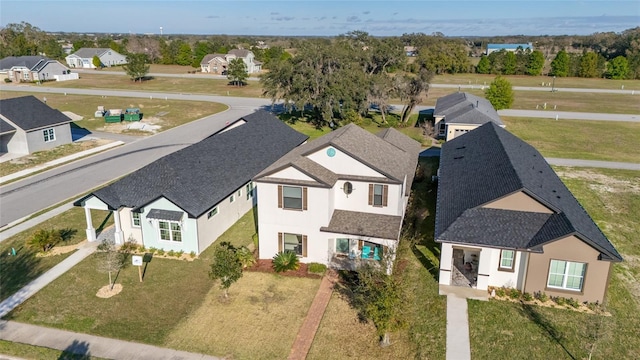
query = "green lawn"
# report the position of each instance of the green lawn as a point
(40, 353)
(504, 330)
(520, 80)
(579, 139)
(19, 270)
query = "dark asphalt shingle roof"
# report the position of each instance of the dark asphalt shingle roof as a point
(364, 224)
(489, 163)
(391, 153)
(241, 53)
(87, 53)
(209, 57)
(165, 214)
(6, 128)
(201, 175)
(465, 108)
(29, 62)
(29, 113)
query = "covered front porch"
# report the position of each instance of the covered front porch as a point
(93, 203)
(352, 253)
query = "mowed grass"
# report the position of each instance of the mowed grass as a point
(31, 352)
(504, 330)
(166, 113)
(154, 68)
(17, 271)
(522, 80)
(579, 139)
(259, 320)
(204, 86)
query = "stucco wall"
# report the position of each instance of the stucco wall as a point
(342, 163)
(519, 202)
(36, 142)
(151, 234)
(130, 231)
(569, 249)
(17, 144)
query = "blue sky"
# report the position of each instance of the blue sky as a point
(327, 18)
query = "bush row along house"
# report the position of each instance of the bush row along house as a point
(218, 63)
(33, 68)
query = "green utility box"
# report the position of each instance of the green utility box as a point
(113, 116)
(132, 114)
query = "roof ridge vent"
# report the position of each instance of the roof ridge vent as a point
(458, 157)
(461, 147)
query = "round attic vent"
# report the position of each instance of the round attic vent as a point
(347, 188)
(331, 152)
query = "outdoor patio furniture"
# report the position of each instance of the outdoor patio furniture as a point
(366, 250)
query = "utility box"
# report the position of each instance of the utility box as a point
(132, 114)
(113, 116)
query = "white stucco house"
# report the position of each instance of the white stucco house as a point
(184, 201)
(218, 63)
(28, 125)
(33, 68)
(83, 58)
(458, 113)
(338, 200)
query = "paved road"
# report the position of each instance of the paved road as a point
(593, 163)
(564, 115)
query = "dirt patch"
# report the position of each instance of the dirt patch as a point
(59, 250)
(147, 124)
(106, 292)
(266, 266)
(602, 183)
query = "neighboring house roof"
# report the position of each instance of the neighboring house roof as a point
(508, 46)
(465, 108)
(29, 113)
(364, 224)
(87, 53)
(6, 128)
(35, 63)
(241, 53)
(489, 163)
(201, 175)
(390, 152)
(207, 58)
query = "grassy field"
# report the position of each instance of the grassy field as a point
(578, 139)
(503, 330)
(166, 113)
(41, 353)
(19, 270)
(521, 80)
(156, 68)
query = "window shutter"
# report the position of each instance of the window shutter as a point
(370, 194)
(280, 196)
(360, 243)
(304, 245)
(280, 241)
(304, 198)
(385, 193)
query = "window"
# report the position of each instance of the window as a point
(170, 231)
(249, 190)
(342, 246)
(566, 275)
(378, 194)
(135, 219)
(49, 135)
(231, 199)
(239, 192)
(296, 243)
(292, 197)
(212, 213)
(507, 260)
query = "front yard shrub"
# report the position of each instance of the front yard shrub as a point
(179, 253)
(142, 249)
(44, 239)
(171, 253)
(573, 303)
(317, 268)
(501, 292)
(285, 261)
(527, 297)
(161, 252)
(153, 250)
(128, 246)
(245, 256)
(192, 254)
(514, 293)
(560, 300)
(542, 296)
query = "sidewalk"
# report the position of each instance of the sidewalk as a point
(83, 344)
(307, 331)
(458, 345)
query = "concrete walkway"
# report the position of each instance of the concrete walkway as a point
(307, 331)
(458, 345)
(90, 345)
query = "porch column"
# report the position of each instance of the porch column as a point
(119, 235)
(91, 232)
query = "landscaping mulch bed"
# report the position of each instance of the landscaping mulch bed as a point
(266, 266)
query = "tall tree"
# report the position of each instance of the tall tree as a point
(618, 68)
(136, 67)
(184, 56)
(411, 91)
(225, 266)
(237, 72)
(560, 66)
(535, 63)
(510, 63)
(484, 66)
(500, 93)
(589, 65)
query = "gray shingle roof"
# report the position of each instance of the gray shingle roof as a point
(6, 128)
(364, 224)
(29, 62)
(489, 163)
(87, 53)
(465, 108)
(165, 214)
(201, 175)
(241, 53)
(29, 113)
(391, 153)
(209, 57)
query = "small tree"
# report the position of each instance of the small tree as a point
(561, 65)
(484, 66)
(225, 267)
(96, 61)
(44, 239)
(110, 260)
(378, 297)
(136, 66)
(618, 68)
(500, 93)
(237, 72)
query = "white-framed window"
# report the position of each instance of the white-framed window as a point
(249, 190)
(507, 260)
(239, 193)
(566, 275)
(49, 135)
(232, 198)
(135, 219)
(342, 246)
(292, 197)
(170, 230)
(212, 213)
(293, 242)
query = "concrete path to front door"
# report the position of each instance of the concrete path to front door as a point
(458, 344)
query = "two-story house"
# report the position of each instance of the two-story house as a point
(339, 199)
(219, 63)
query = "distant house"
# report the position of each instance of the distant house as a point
(338, 200)
(28, 125)
(504, 218)
(458, 113)
(410, 51)
(508, 47)
(83, 58)
(33, 68)
(218, 63)
(186, 200)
